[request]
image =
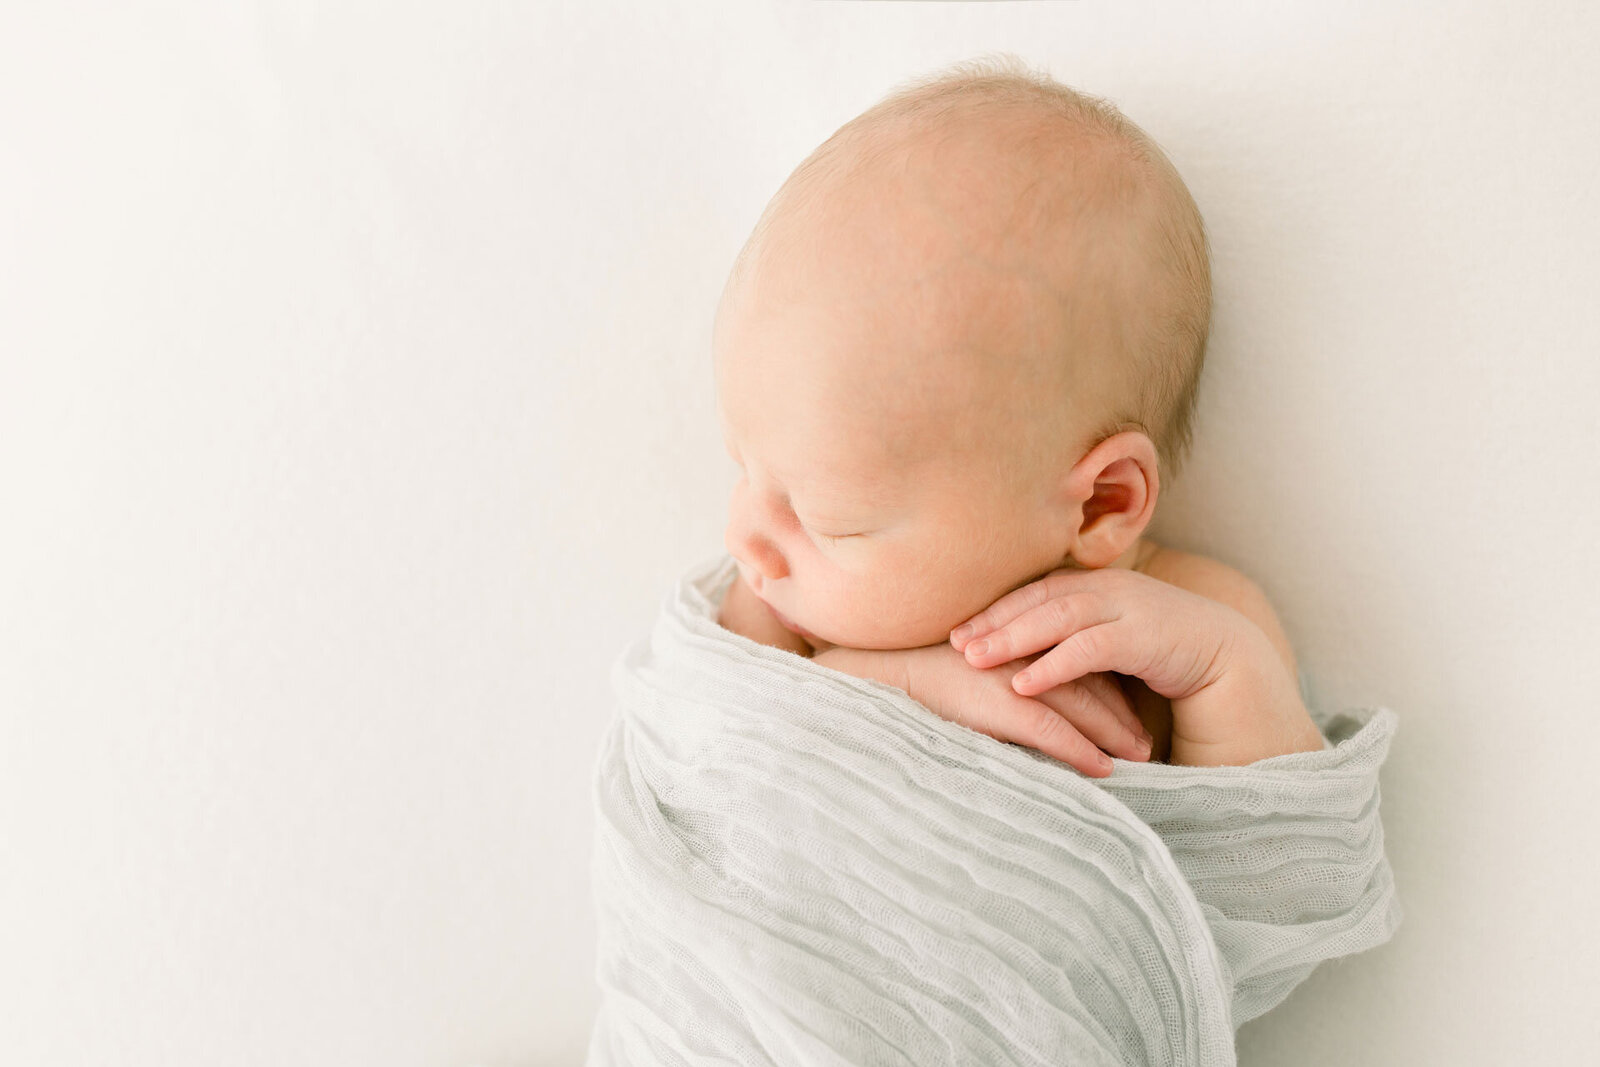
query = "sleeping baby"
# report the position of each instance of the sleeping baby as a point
(954, 362)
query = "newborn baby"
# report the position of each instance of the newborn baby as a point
(953, 363)
(959, 353)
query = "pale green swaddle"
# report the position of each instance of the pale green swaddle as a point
(795, 866)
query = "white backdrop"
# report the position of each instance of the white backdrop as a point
(356, 411)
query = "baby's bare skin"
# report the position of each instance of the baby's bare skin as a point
(746, 614)
(917, 361)
(910, 393)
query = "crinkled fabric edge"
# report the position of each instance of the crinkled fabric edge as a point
(690, 609)
(1358, 743)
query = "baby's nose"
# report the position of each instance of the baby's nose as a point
(754, 551)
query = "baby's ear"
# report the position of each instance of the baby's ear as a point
(1115, 486)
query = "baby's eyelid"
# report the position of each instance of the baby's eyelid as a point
(831, 537)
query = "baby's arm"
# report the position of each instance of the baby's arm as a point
(1217, 581)
(1246, 727)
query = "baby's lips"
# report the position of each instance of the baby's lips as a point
(789, 625)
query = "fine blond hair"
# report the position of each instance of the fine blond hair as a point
(1164, 333)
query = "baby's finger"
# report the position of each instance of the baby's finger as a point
(1108, 690)
(1040, 727)
(1096, 721)
(1040, 627)
(1011, 605)
(1103, 647)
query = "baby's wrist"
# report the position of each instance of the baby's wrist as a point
(1238, 725)
(875, 664)
(1253, 712)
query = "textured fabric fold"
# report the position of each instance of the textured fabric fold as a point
(1285, 855)
(796, 866)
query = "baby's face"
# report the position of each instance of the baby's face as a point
(887, 366)
(858, 550)
(879, 504)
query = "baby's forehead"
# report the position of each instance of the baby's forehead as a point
(907, 295)
(846, 447)
(939, 354)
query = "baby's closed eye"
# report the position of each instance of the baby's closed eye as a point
(819, 534)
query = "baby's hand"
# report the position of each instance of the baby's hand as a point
(1066, 721)
(1233, 701)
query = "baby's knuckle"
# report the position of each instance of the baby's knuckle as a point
(1055, 584)
(1046, 726)
(1097, 684)
(1059, 614)
(1092, 643)
(1025, 599)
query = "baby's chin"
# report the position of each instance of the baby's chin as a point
(841, 631)
(806, 635)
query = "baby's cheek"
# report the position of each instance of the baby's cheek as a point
(892, 621)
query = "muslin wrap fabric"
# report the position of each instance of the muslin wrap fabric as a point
(796, 866)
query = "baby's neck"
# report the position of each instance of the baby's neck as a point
(1139, 555)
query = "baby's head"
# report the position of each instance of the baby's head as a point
(960, 350)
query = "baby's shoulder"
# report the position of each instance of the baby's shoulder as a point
(1194, 572)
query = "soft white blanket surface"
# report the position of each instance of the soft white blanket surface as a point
(795, 866)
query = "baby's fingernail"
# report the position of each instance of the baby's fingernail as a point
(1146, 746)
(962, 632)
(977, 648)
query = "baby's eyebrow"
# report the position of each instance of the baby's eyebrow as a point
(847, 505)
(836, 507)
(823, 518)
